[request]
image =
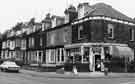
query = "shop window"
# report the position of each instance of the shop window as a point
(77, 58)
(110, 31)
(70, 59)
(73, 55)
(131, 34)
(80, 32)
(107, 53)
(86, 55)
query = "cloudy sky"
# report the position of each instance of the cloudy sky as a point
(13, 11)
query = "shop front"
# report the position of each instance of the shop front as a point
(92, 56)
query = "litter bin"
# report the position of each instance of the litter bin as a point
(106, 71)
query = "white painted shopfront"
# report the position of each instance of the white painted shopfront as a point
(94, 53)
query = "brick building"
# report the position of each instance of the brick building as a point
(87, 36)
(98, 34)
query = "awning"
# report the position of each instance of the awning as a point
(123, 51)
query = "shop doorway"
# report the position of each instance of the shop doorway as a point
(97, 62)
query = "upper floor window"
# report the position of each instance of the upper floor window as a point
(12, 44)
(110, 31)
(23, 44)
(31, 42)
(18, 42)
(47, 25)
(41, 41)
(8, 43)
(4, 44)
(80, 32)
(52, 38)
(65, 35)
(131, 34)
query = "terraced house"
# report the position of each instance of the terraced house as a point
(86, 37)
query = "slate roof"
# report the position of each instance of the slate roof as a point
(102, 9)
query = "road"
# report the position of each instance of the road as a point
(26, 78)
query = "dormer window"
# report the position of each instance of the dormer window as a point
(80, 32)
(66, 18)
(34, 28)
(53, 22)
(131, 34)
(83, 9)
(43, 26)
(110, 31)
(81, 12)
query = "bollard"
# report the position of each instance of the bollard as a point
(106, 71)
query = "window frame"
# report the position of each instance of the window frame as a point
(109, 28)
(80, 29)
(132, 33)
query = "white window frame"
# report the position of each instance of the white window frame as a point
(132, 33)
(80, 28)
(109, 28)
(4, 45)
(43, 26)
(52, 56)
(41, 41)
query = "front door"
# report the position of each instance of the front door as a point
(97, 62)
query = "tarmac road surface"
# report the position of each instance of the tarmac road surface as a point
(31, 77)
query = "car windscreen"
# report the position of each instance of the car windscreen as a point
(9, 63)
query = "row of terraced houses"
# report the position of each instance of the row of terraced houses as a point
(87, 35)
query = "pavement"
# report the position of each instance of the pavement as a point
(79, 75)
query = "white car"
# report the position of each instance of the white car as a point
(9, 66)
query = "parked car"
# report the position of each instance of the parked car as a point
(9, 66)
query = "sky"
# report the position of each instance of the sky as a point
(13, 11)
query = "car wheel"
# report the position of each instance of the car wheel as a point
(4, 70)
(17, 71)
(1, 69)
